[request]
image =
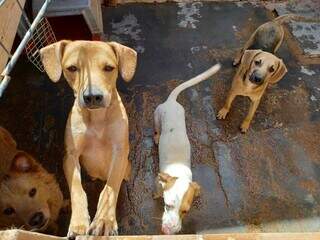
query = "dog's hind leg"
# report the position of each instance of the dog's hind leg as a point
(281, 37)
(157, 125)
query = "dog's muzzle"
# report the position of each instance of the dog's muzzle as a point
(256, 78)
(92, 98)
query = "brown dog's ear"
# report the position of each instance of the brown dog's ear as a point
(196, 188)
(166, 180)
(127, 58)
(51, 57)
(8, 149)
(278, 73)
(22, 163)
(248, 57)
(164, 177)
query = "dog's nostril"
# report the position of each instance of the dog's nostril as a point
(87, 99)
(258, 79)
(98, 98)
(37, 219)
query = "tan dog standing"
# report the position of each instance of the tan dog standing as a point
(175, 177)
(97, 135)
(30, 197)
(257, 70)
(269, 36)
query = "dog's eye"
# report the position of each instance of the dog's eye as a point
(108, 68)
(9, 211)
(32, 192)
(257, 62)
(72, 68)
(271, 69)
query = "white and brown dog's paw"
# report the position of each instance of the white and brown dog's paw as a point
(103, 227)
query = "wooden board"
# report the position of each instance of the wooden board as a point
(24, 235)
(10, 14)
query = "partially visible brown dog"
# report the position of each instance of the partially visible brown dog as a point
(257, 70)
(269, 36)
(30, 197)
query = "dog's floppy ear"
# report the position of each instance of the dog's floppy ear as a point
(127, 60)
(196, 187)
(23, 163)
(278, 73)
(164, 177)
(158, 189)
(51, 57)
(8, 149)
(248, 57)
(166, 180)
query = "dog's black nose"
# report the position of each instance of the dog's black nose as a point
(37, 219)
(257, 79)
(93, 98)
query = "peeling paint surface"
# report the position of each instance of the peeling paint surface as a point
(307, 71)
(129, 28)
(189, 14)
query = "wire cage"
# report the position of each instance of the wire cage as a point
(35, 36)
(41, 37)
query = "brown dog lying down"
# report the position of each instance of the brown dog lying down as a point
(257, 70)
(30, 197)
(175, 183)
(269, 36)
(97, 131)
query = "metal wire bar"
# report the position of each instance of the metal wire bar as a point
(5, 74)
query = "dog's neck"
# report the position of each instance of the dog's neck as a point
(178, 170)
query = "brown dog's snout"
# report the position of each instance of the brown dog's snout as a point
(37, 219)
(256, 78)
(93, 98)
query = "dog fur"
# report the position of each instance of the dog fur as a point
(30, 196)
(97, 134)
(257, 70)
(175, 183)
(269, 36)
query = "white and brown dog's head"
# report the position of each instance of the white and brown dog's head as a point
(178, 195)
(90, 67)
(261, 67)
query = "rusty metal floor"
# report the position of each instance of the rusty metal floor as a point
(267, 180)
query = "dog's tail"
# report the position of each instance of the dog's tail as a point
(287, 17)
(193, 81)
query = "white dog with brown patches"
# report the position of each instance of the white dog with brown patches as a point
(175, 177)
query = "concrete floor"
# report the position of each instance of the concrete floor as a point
(267, 180)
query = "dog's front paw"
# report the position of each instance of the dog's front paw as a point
(75, 230)
(244, 126)
(222, 113)
(103, 227)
